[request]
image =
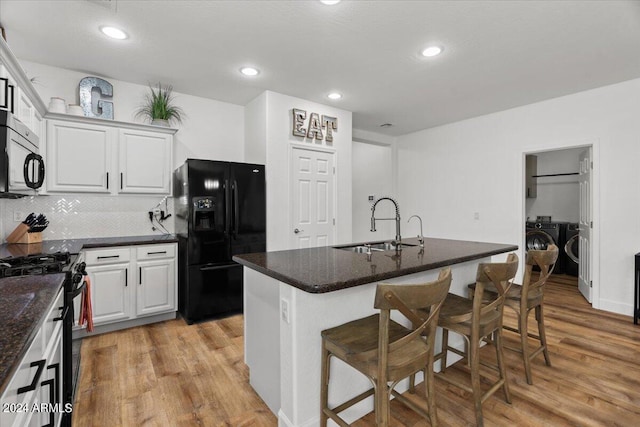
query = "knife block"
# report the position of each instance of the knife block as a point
(30, 238)
(27, 238)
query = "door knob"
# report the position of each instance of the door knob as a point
(297, 231)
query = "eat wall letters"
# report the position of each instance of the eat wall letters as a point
(315, 125)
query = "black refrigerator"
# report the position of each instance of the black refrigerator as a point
(220, 210)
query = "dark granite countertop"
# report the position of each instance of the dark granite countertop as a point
(75, 245)
(327, 269)
(25, 301)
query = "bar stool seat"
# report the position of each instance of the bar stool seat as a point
(386, 351)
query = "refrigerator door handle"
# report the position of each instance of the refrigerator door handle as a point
(236, 209)
(227, 204)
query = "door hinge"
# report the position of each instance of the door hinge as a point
(334, 221)
(334, 170)
(591, 283)
(592, 164)
(591, 224)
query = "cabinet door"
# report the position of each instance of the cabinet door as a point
(5, 91)
(144, 162)
(24, 108)
(78, 157)
(156, 286)
(110, 296)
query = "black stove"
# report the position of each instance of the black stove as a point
(29, 265)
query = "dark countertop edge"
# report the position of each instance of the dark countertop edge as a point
(331, 287)
(131, 241)
(32, 334)
(74, 246)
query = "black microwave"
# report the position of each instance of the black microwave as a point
(21, 167)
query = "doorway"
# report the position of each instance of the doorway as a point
(312, 197)
(560, 195)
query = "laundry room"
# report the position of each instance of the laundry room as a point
(552, 204)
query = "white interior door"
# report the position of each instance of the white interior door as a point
(312, 178)
(584, 268)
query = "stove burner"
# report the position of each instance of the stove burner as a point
(34, 264)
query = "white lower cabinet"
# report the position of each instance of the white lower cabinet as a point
(132, 282)
(156, 287)
(34, 394)
(110, 299)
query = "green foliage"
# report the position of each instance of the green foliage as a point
(158, 105)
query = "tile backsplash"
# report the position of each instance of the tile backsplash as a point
(73, 216)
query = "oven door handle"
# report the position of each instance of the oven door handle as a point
(63, 315)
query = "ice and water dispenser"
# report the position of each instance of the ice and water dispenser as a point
(204, 213)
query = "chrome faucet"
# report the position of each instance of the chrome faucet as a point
(421, 236)
(396, 219)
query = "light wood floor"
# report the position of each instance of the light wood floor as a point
(171, 374)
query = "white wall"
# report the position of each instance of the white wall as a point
(558, 196)
(255, 125)
(450, 172)
(373, 176)
(271, 116)
(210, 130)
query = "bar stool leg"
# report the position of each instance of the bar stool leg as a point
(474, 364)
(524, 343)
(324, 385)
(501, 364)
(445, 346)
(430, 390)
(543, 335)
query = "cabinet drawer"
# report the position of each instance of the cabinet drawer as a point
(156, 251)
(51, 325)
(107, 256)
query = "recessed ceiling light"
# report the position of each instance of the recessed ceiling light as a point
(329, 2)
(114, 33)
(334, 95)
(432, 51)
(249, 71)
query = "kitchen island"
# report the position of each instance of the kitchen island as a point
(291, 296)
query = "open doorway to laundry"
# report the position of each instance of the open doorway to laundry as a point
(558, 209)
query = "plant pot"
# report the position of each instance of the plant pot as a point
(160, 122)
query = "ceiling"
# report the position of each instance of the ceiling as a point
(497, 54)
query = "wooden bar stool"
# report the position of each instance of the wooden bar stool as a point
(475, 319)
(526, 297)
(385, 351)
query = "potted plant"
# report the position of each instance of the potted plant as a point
(159, 107)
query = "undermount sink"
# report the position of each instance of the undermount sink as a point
(375, 247)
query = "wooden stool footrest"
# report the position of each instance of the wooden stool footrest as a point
(410, 404)
(463, 386)
(492, 390)
(352, 401)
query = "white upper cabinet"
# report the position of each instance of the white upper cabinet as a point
(79, 157)
(144, 162)
(84, 155)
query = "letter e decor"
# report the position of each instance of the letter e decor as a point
(315, 126)
(97, 107)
